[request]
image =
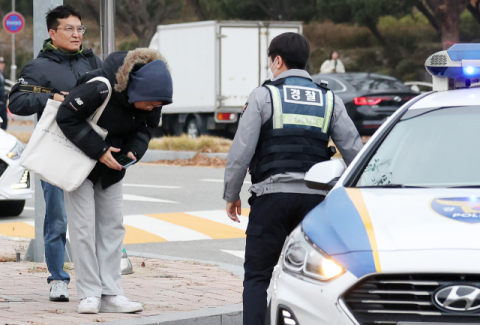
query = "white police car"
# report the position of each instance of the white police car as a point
(397, 240)
(14, 179)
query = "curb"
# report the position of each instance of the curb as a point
(234, 269)
(155, 155)
(225, 315)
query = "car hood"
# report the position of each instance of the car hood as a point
(7, 141)
(370, 228)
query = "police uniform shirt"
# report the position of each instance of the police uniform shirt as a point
(257, 111)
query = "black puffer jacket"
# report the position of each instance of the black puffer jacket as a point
(129, 128)
(51, 69)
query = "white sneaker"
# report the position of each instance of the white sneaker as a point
(58, 291)
(119, 304)
(89, 305)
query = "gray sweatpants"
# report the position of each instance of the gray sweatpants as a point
(95, 224)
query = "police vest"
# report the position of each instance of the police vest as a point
(296, 136)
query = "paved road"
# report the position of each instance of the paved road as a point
(176, 211)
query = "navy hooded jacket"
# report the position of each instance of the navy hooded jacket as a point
(129, 128)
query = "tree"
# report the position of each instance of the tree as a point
(140, 16)
(363, 12)
(445, 17)
(474, 7)
(198, 8)
(255, 9)
(25, 7)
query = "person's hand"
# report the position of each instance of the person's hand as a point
(60, 97)
(108, 159)
(234, 208)
(131, 155)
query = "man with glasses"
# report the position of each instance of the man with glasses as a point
(52, 75)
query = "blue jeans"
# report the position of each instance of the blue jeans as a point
(55, 232)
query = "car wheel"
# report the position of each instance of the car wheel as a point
(11, 208)
(192, 129)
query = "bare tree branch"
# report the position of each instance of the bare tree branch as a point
(143, 16)
(197, 8)
(427, 13)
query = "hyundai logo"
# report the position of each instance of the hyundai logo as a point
(397, 99)
(458, 298)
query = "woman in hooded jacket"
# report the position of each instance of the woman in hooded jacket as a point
(142, 84)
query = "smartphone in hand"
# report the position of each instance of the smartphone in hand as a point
(125, 161)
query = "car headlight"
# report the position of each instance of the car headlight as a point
(16, 151)
(303, 259)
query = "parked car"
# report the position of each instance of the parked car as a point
(396, 239)
(14, 179)
(419, 86)
(369, 98)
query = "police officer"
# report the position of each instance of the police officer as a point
(284, 130)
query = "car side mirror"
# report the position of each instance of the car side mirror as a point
(324, 175)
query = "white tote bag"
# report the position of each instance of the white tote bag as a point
(54, 158)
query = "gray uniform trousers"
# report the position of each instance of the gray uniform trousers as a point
(95, 224)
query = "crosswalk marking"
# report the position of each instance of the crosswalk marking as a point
(152, 186)
(212, 229)
(130, 197)
(17, 229)
(163, 227)
(221, 217)
(167, 230)
(240, 254)
(135, 235)
(220, 181)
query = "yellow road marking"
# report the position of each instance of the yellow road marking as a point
(17, 229)
(138, 236)
(210, 228)
(245, 212)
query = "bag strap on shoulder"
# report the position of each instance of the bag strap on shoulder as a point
(92, 61)
(98, 113)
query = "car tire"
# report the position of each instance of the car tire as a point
(11, 208)
(193, 130)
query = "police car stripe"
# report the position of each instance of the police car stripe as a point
(277, 107)
(337, 228)
(357, 199)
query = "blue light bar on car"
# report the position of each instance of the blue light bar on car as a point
(459, 62)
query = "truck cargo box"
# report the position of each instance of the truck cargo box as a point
(215, 65)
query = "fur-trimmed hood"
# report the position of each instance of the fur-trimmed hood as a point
(133, 59)
(118, 68)
(119, 65)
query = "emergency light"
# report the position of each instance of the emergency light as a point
(457, 67)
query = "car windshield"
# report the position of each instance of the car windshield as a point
(434, 148)
(372, 83)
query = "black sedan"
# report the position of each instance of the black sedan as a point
(369, 98)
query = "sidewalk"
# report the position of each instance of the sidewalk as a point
(163, 286)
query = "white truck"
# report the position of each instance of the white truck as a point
(215, 65)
